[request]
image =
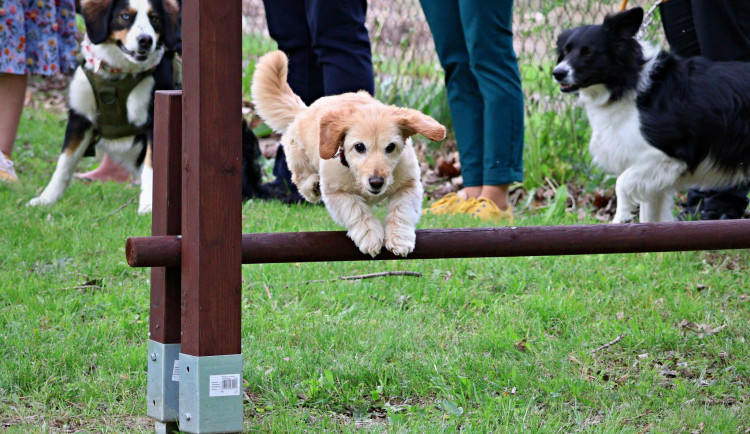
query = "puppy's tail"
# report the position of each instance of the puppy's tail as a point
(272, 96)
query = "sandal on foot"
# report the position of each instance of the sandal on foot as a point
(451, 203)
(485, 209)
(7, 172)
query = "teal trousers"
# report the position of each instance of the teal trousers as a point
(474, 42)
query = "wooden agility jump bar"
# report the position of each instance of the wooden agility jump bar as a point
(164, 251)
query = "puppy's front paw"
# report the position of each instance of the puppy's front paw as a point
(368, 237)
(400, 241)
(39, 201)
(310, 189)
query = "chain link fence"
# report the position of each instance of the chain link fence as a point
(407, 70)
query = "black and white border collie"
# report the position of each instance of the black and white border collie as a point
(123, 37)
(659, 122)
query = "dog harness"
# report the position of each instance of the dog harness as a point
(111, 94)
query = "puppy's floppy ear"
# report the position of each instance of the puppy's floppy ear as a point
(172, 25)
(96, 15)
(624, 25)
(333, 126)
(412, 122)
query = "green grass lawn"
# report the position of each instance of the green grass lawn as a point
(480, 345)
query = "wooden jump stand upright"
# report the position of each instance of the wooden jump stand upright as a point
(197, 248)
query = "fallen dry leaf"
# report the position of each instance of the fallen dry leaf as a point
(620, 316)
(709, 330)
(521, 345)
(685, 324)
(447, 168)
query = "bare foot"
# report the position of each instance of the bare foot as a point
(497, 194)
(468, 192)
(109, 170)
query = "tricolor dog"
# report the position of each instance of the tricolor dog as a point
(111, 92)
(659, 122)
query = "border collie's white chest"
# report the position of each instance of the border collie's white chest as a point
(616, 140)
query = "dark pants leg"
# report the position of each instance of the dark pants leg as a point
(464, 98)
(329, 53)
(722, 32)
(327, 44)
(474, 42)
(495, 66)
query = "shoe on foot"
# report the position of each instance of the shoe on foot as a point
(7, 172)
(486, 210)
(451, 203)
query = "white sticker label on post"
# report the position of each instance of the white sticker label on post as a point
(176, 370)
(224, 385)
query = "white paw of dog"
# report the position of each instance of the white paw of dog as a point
(37, 201)
(400, 243)
(310, 189)
(620, 218)
(368, 237)
(144, 208)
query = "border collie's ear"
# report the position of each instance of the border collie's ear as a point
(96, 15)
(413, 121)
(624, 25)
(333, 126)
(172, 26)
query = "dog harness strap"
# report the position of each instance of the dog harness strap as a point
(111, 103)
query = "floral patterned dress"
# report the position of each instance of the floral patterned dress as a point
(37, 37)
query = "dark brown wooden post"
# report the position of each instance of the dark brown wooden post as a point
(211, 359)
(166, 219)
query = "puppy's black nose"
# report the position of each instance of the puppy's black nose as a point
(560, 73)
(144, 42)
(376, 182)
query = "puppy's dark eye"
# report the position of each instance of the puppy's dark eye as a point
(360, 147)
(154, 18)
(567, 48)
(390, 148)
(126, 17)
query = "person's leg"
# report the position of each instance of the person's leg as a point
(108, 170)
(13, 91)
(489, 38)
(464, 99)
(288, 26)
(722, 28)
(341, 44)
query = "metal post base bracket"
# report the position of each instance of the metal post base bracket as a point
(163, 385)
(211, 393)
(165, 427)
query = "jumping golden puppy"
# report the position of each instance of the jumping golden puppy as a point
(351, 151)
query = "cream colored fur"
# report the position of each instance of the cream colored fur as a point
(375, 141)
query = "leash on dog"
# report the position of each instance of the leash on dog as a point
(648, 18)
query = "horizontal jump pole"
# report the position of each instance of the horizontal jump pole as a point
(265, 248)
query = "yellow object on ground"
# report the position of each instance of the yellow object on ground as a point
(485, 209)
(451, 203)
